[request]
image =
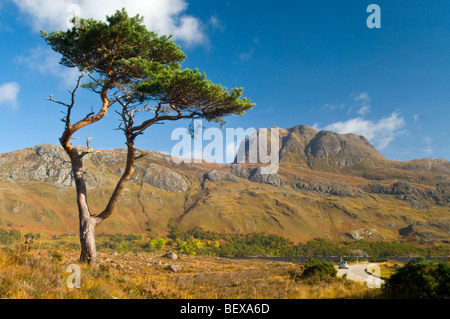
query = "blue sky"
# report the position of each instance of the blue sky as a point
(302, 62)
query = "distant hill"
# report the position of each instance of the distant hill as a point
(334, 186)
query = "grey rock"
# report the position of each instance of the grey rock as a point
(163, 178)
(362, 234)
(271, 179)
(43, 163)
(406, 191)
(341, 150)
(377, 188)
(331, 188)
(171, 255)
(215, 176)
(239, 171)
(175, 268)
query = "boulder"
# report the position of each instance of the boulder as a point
(362, 234)
(271, 179)
(175, 268)
(216, 176)
(171, 255)
(239, 171)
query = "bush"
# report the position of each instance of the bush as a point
(420, 279)
(317, 268)
(157, 243)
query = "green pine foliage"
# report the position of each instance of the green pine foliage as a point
(141, 67)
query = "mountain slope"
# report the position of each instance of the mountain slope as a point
(328, 186)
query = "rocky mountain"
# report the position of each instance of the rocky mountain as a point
(328, 185)
(323, 150)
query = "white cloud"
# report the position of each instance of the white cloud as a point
(215, 23)
(363, 96)
(9, 93)
(380, 133)
(246, 55)
(364, 110)
(164, 17)
(46, 62)
(363, 100)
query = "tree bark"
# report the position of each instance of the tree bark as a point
(87, 241)
(89, 222)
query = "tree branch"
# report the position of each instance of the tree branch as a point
(66, 119)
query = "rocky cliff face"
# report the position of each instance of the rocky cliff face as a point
(43, 163)
(50, 164)
(323, 150)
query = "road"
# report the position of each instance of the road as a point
(357, 272)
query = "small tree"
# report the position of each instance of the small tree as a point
(140, 72)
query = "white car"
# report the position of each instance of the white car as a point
(343, 265)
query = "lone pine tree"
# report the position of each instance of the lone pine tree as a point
(139, 72)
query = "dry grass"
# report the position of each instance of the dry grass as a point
(41, 274)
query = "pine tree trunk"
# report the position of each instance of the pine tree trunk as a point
(87, 241)
(87, 222)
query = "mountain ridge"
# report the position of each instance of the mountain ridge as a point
(328, 186)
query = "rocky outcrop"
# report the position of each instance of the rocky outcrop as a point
(239, 171)
(43, 163)
(162, 178)
(215, 176)
(416, 197)
(271, 179)
(341, 150)
(50, 164)
(417, 233)
(440, 195)
(330, 188)
(363, 234)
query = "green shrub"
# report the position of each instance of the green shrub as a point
(317, 268)
(420, 279)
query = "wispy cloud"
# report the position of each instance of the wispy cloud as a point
(46, 62)
(246, 55)
(215, 23)
(9, 93)
(333, 107)
(164, 17)
(360, 101)
(363, 99)
(380, 133)
(428, 145)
